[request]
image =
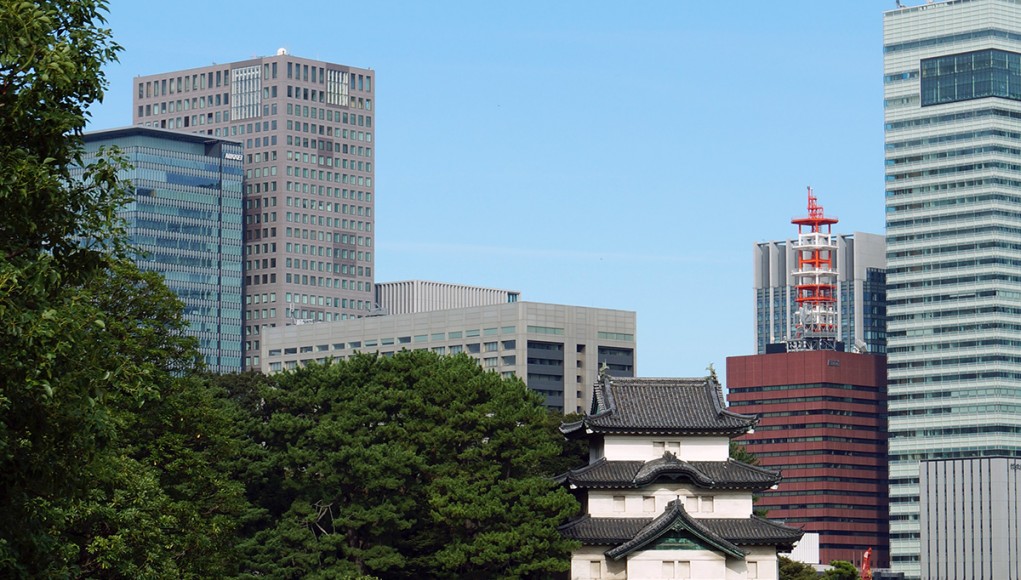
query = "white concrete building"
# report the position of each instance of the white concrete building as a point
(952, 102)
(556, 349)
(663, 498)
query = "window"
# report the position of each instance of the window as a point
(691, 504)
(490, 346)
(676, 569)
(618, 504)
(649, 504)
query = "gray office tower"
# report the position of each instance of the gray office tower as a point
(860, 260)
(185, 221)
(952, 99)
(307, 128)
(970, 521)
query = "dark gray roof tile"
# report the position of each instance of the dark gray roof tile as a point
(650, 405)
(728, 474)
(615, 532)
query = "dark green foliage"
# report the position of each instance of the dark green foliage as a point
(405, 467)
(109, 452)
(794, 570)
(841, 570)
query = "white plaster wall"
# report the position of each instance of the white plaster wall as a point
(766, 562)
(724, 504)
(732, 505)
(648, 565)
(703, 564)
(624, 448)
(705, 449)
(581, 564)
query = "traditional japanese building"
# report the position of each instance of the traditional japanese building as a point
(660, 495)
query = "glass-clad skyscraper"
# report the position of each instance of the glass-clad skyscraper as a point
(185, 222)
(952, 99)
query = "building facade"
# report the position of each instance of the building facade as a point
(661, 496)
(822, 423)
(952, 101)
(307, 128)
(860, 259)
(410, 296)
(185, 221)
(970, 520)
(556, 349)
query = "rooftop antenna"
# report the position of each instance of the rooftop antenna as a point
(815, 281)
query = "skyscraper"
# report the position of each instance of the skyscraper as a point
(185, 221)
(952, 99)
(307, 128)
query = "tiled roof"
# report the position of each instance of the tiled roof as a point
(669, 406)
(754, 531)
(728, 474)
(630, 534)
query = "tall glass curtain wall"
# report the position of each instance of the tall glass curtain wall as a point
(185, 222)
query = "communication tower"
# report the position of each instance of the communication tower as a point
(815, 281)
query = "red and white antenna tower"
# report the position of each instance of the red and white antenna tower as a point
(815, 281)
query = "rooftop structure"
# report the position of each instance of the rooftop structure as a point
(412, 296)
(815, 281)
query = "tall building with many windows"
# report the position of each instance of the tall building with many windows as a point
(307, 128)
(822, 424)
(184, 220)
(952, 90)
(860, 259)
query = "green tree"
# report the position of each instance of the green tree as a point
(110, 447)
(794, 570)
(841, 570)
(50, 425)
(404, 467)
(739, 452)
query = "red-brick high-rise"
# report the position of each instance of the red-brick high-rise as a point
(822, 423)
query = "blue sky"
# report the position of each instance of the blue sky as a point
(590, 153)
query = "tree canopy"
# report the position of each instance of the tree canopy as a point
(841, 570)
(120, 458)
(408, 466)
(795, 570)
(109, 446)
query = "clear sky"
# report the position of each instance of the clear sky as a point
(606, 154)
